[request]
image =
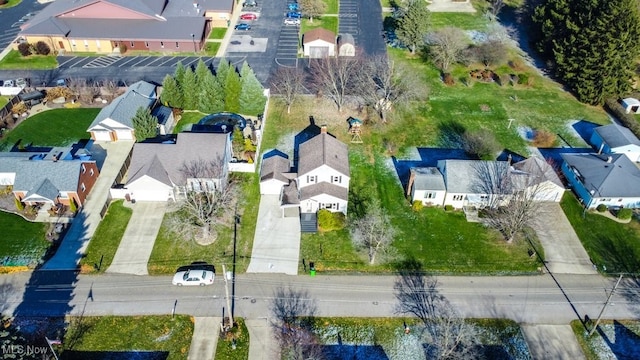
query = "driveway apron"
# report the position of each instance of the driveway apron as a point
(552, 342)
(563, 250)
(75, 242)
(276, 243)
(262, 346)
(205, 338)
(139, 237)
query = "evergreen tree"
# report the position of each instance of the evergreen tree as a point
(252, 99)
(190, 90)
(171, 94)
(413, 24)
(232, 88)
(211, 99)
(201, 74)
(178, 74)
(593, 43)
(145, 125)
(221, 75)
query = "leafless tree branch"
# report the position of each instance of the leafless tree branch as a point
(287, 82)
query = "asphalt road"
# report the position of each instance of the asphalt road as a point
(12, 18)
(526, 299)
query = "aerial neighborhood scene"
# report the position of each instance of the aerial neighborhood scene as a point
(319, 179)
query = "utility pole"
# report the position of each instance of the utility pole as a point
(595, 326)
(226, 290)
(236, 220)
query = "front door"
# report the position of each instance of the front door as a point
(61, 44)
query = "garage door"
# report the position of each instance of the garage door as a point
(318, 52)
(124, 134)
(102, 135)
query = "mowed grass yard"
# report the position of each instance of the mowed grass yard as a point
(56, 127)
(22, 242)
(612, 246)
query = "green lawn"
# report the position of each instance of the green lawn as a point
(332, 6)
(171, 250)
(22, 242)
(326, 22)
(224, 351)
(187, 119)
(57, 127)
(217, 33)
(612, 246)
(211, 48)
(125, 336)
(15, 61)
(617, 339)
(4, 100)
(464, 21)
(9, 4)
(106, 239)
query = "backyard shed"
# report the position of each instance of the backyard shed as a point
(32, 98)
(631, 105)
(346, 45)
(319, 43)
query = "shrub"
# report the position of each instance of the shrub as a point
(72, 206)
(42, 48)
(624, 214)
(523, 79)
(330, 221)
(481, 143)
(19, 204)
(417, 205)
(448, 79)
(24, 49)
(601, 208)
(544, 139)
(59, 91)
(448, 207)
(19, 108)
(517, 64)
(3, 2)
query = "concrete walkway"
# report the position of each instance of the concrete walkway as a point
(206, 331)
(563, 250)
(552, 342)
(262, 346)
(75, 242)
(276, 243)
(139, 237)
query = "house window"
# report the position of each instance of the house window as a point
(132, 45)
(98, 44)
(619, 200)
(86, 44)
(91, 172)
(162, 44)
(458, 197)
(84, 169)
(146, 43)
(82, 187)
(336, 179)
(311, 179)
(73, 43)
(177, 45)
(429, 195)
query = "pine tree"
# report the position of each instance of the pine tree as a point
(413, 24)
(221, 75)
(201, 74)
(211, 100)
(145, 125)
(190, 90)
(232, 88)
(252, 100)
(171, 94)
(178, 74)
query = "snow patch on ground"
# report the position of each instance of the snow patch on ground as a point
(617, 341)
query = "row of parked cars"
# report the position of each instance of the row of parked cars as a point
(293, 14)
(20, 82)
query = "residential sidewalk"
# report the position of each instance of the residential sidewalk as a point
(139, 237)
(552, 342)
(205, 338)
(75, 242)
(227, 36)
(263, 345)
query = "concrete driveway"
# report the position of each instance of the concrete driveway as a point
(563, 250)
(139, 237)
(276, 243)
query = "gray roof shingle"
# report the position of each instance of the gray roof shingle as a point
(615, 135)
(124, 107)
(539, 171)
(463, 176)
(323, 149)
(164, 162)
(428, 178)
(618, 178)
(274, 167)
(336, 191)
(30, 174)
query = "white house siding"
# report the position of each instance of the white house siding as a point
(630, 202)
(101, 135)
(320, 202)
(124, 134)
(436, 197)
(7, 178)
(319, 49)
(149, 189)
(630, 151)
(549, 191)
(271, 187)
(323, 174)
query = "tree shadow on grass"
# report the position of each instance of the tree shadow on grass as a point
(624, 344)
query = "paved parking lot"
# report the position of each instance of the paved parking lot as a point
(12, 18)
(363, 20)
(91, 62)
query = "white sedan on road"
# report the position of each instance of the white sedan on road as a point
(193, 277)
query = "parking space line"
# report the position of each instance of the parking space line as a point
(129, 60)
(70, 59)
(144, 58)
(170, 58)
(191, 62)
(154, 60)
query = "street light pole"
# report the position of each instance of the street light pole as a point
(193, 37)
(236, 221)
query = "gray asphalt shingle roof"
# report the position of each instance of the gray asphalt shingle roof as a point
(323, 149)
(336, 191)
(538, 170)
(124, 107)
(273, 168)
(164, 162)
(463, 176)
(618, 178)
(30, 174)
(428, 178)
(615, 135)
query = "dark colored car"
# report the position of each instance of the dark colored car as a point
(197, 265)
(243, 26)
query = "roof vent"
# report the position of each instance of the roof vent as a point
(609, 159)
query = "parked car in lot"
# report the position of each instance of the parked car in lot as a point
(198, 265)
(21, 82)
(294, 15)
(8, 83)
(293, 6)
(250, 3)
(291, 21)
(193, 277)
(243, 26)
(248, 16)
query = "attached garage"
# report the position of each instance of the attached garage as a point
(101, 135)
(124, 134)
(149, 189)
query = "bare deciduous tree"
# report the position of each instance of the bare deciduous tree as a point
(447, 335)
(292, 312)
(287, 83)
(84, 90)
(373, 232)
(335, 77)
(446, 46)
(383, 84)
(313, 8)
(208, 194)
(111, 89)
